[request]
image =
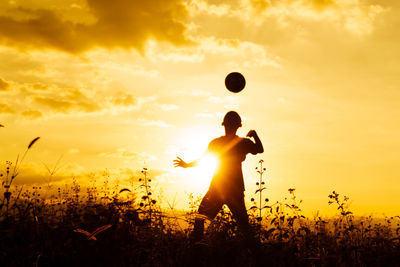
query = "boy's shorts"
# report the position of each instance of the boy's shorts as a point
(213, 200)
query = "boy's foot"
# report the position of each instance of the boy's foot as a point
(195, 236)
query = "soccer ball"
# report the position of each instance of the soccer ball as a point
(235, 82)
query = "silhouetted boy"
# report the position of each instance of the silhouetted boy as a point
(227, 186)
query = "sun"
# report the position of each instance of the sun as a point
(203, 172)
(192, 145)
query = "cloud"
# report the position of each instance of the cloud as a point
(36, 174)
(123, 153)
(130, 69)
(34, 177)
(61, 100)
(35, 100)
(110, 24)
(65, 101)
(249, 54)
(6, 109)
(32, 114)
(38, 100)
(66, 106)
(4, 85)
(200, 6)
(40, 86)
(168, 107)
(316, 5)
(354, 16)
(123, 99)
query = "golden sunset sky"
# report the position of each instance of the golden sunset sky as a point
(121, 85)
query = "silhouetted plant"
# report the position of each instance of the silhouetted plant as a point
(102, 225)
(192, 213)
(147, 203)
(10, 174)
(344, 225)
(223, 226)
(261, 187)
(52, 171)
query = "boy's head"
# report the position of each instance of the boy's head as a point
(232, 120)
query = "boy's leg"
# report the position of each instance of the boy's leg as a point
(238, 208)
(209, 207)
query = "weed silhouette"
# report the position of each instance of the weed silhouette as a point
(43, 228)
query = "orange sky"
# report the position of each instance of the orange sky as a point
(126, 84)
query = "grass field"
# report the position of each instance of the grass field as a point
(125, 228)
(103, 225)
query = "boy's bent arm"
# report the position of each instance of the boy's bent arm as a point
(258, 144)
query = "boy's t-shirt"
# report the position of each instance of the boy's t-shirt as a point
(231, 152)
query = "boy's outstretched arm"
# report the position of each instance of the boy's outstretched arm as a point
(178, 162)
(259, 146)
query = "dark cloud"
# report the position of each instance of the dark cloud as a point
(222, 2)
(42, 99)
(32, 114)
(322, 3)
(317, 5)
(31, 176)
(68, 101)
(259, 5)
(6, 109)
(4, 85)
(40, 86)
(118, 23)
(126, 100)
(67, 106)
(55, 104)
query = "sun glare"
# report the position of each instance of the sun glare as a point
(204, 171)
(192, 145)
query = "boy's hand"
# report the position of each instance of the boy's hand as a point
(178, 162)
(258, 145)
(251, 133)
